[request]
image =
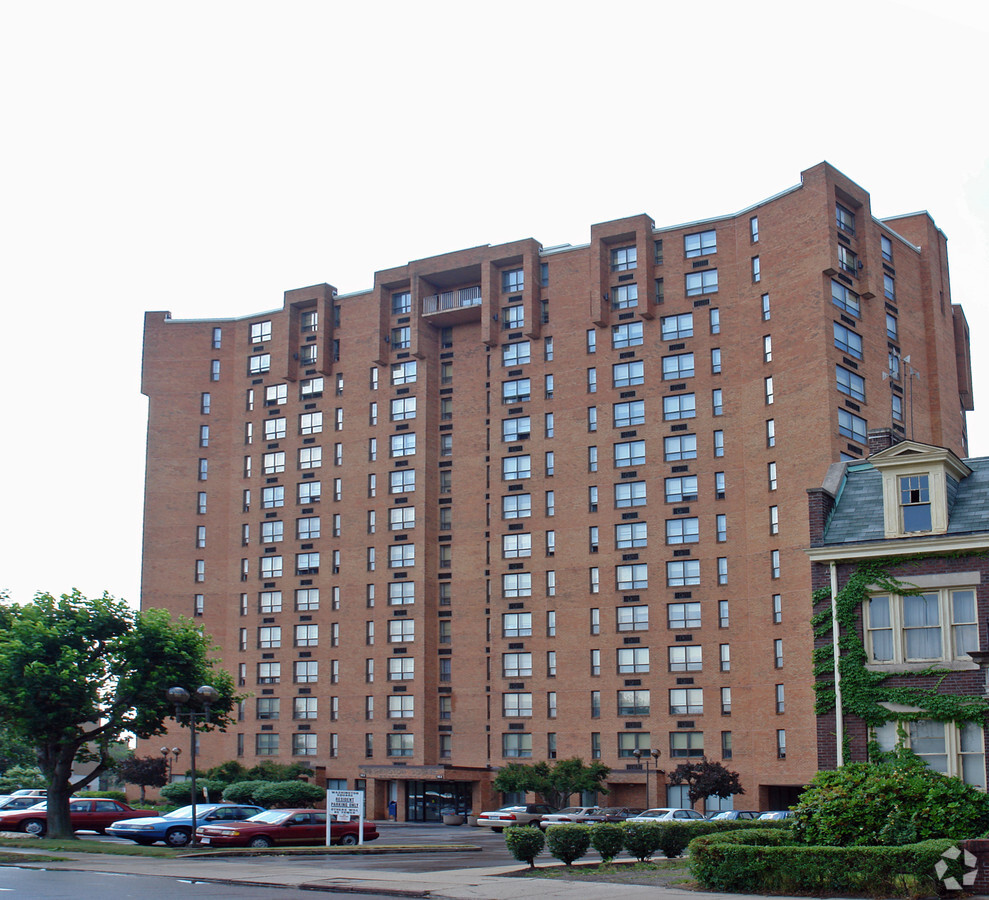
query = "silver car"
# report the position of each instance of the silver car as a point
(666, 814)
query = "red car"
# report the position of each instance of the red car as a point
(283, 826)
(85, 815)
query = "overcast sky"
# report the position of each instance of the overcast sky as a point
(204, 157)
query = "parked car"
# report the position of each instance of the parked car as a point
(175, 828)
(728, 815)
(570, 815)
(611, 814)
(84, 815)
(500, 819)
(39, 793)
(13, 803)
(284, 827)
(665, 814)
(775, 815)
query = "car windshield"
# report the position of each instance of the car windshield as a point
(271, 816)
(570, 810)
(42, 805)
(185, 812)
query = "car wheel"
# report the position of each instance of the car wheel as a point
(261, 841)
(497, 830)
(178, 837)
(144, 842)
(35, 827)
(349, 840)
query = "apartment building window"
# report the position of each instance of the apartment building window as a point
(847, 260)
(516, 705)
(631, 577)
(551, 623)
(401, 556)
(889, 287)
(514, 546)
(754, 229)
(719, 443)
(517, 391)
(723, 618)
(724, 651)
(516, 624)
(199, 605)
(551, 664)
(891, 328)
(401, 593)
(515, 354)
(770, 393)
(275, 429)
(259, 364)
(717, 402)
(847, 341)
(516, 745)
(887, 248)
(516, 506)
(850, 383)
(628, 334)
(516, 665)
(595, 704)
(852, 426)
(630, 453)
(756, 270)
(592, 380)
(550, 583)
(512, 317)
(308, 563)
(781, 743)
(722, 570)
(774, 520)
(714, 317)
(214, 370)
(726, 701)
(633, 703)
(774, 562)
(766, 314)
(513, 281)
(402, 481)
(633, 534)
(685, 658)
(310, 388)
(716, 361)
(269, 602)
(401, 631)
(310, 457)
(778, 653)
(276, 395)
(203, 469)
(722, 527)
(700, 283)
(633, 659)
(200, 536)
(550, 463)
(217, 338)
(625, 296)
(403, 408)
(683, 572)
(844, 219)
(771, 471)
(627, 374)
(269, 637)
(592, 539)
(726, 751)
(679, 366)
(594, 579)
(682, 531)
(401, 668)
(686, 701)
(592, 418)
(680, 488)
(548, 349)
(703, 243)
(770, 432)
(549, 425)
(681, 615)
(260, 332)
(266, 744)
(623, 259)
(676, 328)
(516, 429)
(719, 486)
(200, 570)
(844, 298)
(309, 423)
(517, 584)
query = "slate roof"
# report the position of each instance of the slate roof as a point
(858, 514)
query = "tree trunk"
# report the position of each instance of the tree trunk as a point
(59, 791)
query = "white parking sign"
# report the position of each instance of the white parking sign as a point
(343, 806)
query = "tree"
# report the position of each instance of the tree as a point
(14, 751)
(706, 779)
(76, 674)
(19, 777)
(145, 771)
(556, 783)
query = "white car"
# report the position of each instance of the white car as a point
(666, 814)
(500, 819)
(569, 816)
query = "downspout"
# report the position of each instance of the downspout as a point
(838, 717)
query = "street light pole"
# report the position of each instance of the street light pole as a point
(654, 754)
(176, 752)
(193, 707)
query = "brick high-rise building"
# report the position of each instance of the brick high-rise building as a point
(517, 503)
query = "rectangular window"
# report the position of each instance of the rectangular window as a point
(627, 374)
(722, 570)
(685, 658)
(517, 391)
(676, 328)
(629, 414)
(766, 315)
(719, 443)
(633, 659)
(754, 229)
(724, 651)
(630, 453)
(678, 447)
(700, 283)
(260, 332)
(403, 408)
(259, 364)
(844, 219)
(628, 334)
(679, 406)
(633, 703)
(847, 341)
(633, 577)
(623, 259)
(677, 367)
(756, 270)
(516, 429)
(682, 531)
(516, 665)
(717, 402)
(515, 354)
(631, 534)
(686, 701)
(681, 489)
(625, 296)
(769, 391)
(850, 383)
(683, 615)
(703, 243)
(683, 572)
(889, 287)
(513, 281)
(852, 426)
(887, 248)
(686, 744)
(310, 457)
(516, 506)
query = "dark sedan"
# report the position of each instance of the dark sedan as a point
(284, 827)
(84, 815)
(610, 814)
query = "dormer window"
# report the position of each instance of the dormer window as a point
(915, 502)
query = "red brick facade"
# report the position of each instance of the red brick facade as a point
(543, 358)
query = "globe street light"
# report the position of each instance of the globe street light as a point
(638, 754)
(193, 707)
(176, 752)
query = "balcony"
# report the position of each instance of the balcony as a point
(459, 305)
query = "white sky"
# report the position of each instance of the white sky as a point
(203, 157)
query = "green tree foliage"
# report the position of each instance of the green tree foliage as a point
(15, 751)
(76, 674)
(556, 784)
(286, 794)
(525, 843)
(18, 778)
(897, 800)
(568, 842)
(607, 839)
(642, 839)
(706, 778)
(144, 771)
(272, 771)
(229, 772)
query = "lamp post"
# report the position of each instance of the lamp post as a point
(654, 755)
(176, 752)
(193, 707)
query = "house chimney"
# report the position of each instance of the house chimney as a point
(881, 439)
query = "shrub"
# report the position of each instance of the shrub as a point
(525, 842)
(285, 794)
(568, 842)
(673, 839)
(891, 802)
(178, 792)
(243, 791)
(607, 839)
(641, 839)
(108, 795)
(760, 862)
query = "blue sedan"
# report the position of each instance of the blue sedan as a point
(175, 828)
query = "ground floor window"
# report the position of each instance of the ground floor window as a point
(946, 747)
(429, 801)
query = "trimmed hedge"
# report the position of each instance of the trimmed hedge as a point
(525, 842)
(607, 839)
(568, 842)
(761, 861)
